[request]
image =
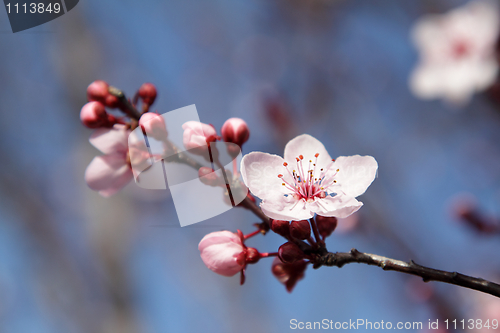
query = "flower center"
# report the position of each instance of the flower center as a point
(310, 184)
(460, 49)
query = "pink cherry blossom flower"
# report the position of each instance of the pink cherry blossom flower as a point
(196, 135)
(307, 181)
(110, 172)
(221, 252)
(457, 52)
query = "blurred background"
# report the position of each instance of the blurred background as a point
(73, 261)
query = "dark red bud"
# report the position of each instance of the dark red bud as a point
(300, 229)
(326, 225)
(112, 120)
(208, 176)
(281, 227)
(289, 274)
(98, 91)
(235, 130)
(252, 255)
(147, 92)
(290, 252)
(112, 102)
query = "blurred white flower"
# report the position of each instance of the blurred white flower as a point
(457, 52)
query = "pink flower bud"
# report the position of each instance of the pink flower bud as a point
(290, 252)
(281, 227)
(326, 225)
(300, 229)
(235, 130)
(153, 125)
(147, 92)
(93, 115)
(288, 274)
(197, 135)
(98, 91)
(209, 177)
(220, 251)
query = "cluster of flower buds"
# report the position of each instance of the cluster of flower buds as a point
(225, 252)
(94, 115)
(197, 136)
(110, 172)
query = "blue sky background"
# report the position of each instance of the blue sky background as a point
(72, 261)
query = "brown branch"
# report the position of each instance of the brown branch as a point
(181, 157)
(128, 108)
(339, 259)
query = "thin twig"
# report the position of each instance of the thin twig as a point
(128, 108)
(339, 259)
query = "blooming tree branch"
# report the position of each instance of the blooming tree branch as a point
(339, 259)
(303, 193)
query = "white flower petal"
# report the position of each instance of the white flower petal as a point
(355, 174)
(307, 146)
(287, 210)
(338, 206)
(260, 173)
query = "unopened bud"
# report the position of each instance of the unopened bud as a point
(93, 115)
(235, 130)
(281, 227)
(288, 274)
(153, 125)
(147, 92)
(112, 102)
(98, 91)
(326, 225)
(300, 229)
(197, 136)
(252, 255)
(290, 252)
(209, 177)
